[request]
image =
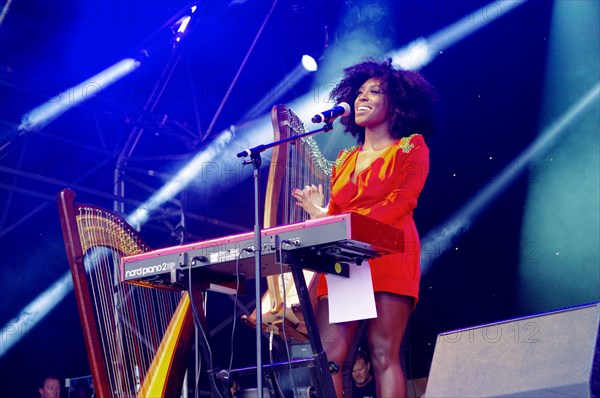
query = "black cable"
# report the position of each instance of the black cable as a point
(206, 344)
(235, 303)
(276, 383)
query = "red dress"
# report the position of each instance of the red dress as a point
(387, 190)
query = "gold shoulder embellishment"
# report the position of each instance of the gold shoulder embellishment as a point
(405, 144)
(344, 155)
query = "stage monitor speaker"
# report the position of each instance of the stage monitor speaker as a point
(555, 354)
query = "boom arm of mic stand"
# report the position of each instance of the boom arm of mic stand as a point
(263, 147)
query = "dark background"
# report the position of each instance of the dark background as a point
(495, 89)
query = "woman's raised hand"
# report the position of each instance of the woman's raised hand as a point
(311, 199)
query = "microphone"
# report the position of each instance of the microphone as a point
(343, 109)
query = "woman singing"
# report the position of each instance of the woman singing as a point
(381, 178)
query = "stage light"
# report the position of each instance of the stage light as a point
(182, 179)
(183, 24)
(47, 112)
(422, 51)
(414, 56)
(309, 63)
(34, 312)
(56, 106)
(4, 11)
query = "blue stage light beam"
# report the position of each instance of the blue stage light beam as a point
(441, 238)
(185, 176)
(42, 115)
(306, 66)
(422, 51)
(4, 12)
(34, 312)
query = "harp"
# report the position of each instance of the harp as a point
(293, 165)
(137, 338)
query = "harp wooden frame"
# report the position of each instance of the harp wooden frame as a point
(166, 372)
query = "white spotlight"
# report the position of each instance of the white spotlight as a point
(309, 63)
(414, 56)
(184, 22)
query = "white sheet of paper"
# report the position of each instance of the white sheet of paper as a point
(352, 298)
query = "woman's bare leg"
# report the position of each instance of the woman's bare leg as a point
(336, 339)
(385, 335)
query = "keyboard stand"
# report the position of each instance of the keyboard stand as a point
(318, 364)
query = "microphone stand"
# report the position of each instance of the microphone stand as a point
(255, 161)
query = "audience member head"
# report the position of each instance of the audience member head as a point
(361, 372)
(49, 387)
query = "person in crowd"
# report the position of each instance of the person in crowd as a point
(363, 385)
(49, 387)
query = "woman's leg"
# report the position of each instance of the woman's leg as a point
(336, 339)
(385, 335)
